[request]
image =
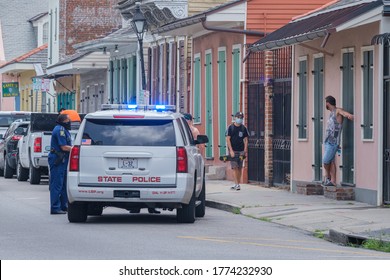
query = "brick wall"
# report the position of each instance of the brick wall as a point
(84, 20)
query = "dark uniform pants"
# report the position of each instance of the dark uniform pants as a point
(57, 186)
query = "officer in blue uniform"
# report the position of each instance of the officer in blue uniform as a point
(61, 144)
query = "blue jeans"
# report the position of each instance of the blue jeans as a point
(329, 153)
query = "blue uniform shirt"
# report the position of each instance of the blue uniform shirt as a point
(60, 137)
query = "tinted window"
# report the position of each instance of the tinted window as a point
(43, 121)
(120, 132)
(7, 119)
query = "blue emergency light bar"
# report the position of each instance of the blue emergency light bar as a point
(159, 108)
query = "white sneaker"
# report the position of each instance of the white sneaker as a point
(233, 187)
(238, 187)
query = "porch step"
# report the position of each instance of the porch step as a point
(339, 192)
(215, 172)
(310, 189)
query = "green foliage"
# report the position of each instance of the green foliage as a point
(377, 245)
(319, 234)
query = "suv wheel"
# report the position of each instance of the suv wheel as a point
(21, 172)
(200, 210)
(35, 175)
(8, 171)
(186, 214)
(77, 212)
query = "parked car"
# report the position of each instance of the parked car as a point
(134, 159)
(8, 117)
(8, 147)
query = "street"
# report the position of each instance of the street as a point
(28, 231)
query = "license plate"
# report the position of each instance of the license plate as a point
(128, 163)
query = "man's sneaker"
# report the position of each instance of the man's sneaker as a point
(326, 181)
(329, 184)
(238, 188)
(233, 187)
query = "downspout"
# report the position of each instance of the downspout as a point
(223, 29)
(229, 30)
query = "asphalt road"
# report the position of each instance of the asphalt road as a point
(29, 232)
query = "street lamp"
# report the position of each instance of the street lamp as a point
(139, 26)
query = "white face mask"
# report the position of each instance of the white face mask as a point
(238, 121)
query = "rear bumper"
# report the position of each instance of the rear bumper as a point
(40, 161)
(160, 196)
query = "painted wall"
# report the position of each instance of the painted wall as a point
(212, 42)
(269, 15)
(366, 151)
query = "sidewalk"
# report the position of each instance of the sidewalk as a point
(341, 221)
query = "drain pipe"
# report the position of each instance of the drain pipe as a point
(223, 29)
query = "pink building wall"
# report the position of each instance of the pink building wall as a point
(366, 152)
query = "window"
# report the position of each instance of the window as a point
(45, 33)
(130, 132)
(302, 83)
(367, 68)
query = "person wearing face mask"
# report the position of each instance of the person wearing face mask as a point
(237, 143)
(61, 144)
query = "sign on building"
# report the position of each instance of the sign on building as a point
(10, 89)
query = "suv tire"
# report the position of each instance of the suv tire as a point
(8, 171)
(200, 210)
(186, 214)
(34, 174)
(21, 172)
(77, 212)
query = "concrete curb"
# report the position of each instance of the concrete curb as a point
(335, 235)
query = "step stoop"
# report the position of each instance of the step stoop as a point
(339, 192)
(214, 172)
(310, 189)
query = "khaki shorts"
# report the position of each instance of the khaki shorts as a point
(237, 162)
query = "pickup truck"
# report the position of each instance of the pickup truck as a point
(34, 147)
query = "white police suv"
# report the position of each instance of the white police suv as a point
(132, 158)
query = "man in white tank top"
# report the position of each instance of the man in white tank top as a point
(332, 138)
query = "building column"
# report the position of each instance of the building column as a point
(268, 107)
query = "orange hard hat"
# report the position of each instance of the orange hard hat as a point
(73, 115)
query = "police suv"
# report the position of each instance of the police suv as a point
(135, 157)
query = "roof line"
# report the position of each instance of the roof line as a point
(26, 55)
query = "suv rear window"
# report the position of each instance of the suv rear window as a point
(129, 132)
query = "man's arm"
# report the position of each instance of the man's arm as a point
(66, 148)
(246, 145)
(344, 113)
(229, 145)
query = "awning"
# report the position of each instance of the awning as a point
(317, 25)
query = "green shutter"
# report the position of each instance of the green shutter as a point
(197, 85)
(209, 105)
(367, 94)
(302, 125)
(222, 120)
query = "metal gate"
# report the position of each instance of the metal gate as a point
(281, 143)
(281, 115)
(255, 118)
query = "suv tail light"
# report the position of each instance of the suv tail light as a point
(38, 145)
(182, 162)
(74, 159)
(16, 137)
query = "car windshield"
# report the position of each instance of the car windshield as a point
(129, 132)
(7, 119)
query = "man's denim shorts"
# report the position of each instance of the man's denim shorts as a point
(329, 153)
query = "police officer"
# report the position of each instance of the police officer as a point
(61, 144)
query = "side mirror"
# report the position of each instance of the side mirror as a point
(19, 131)
(202, 139)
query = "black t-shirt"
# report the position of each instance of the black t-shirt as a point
(237, 135)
